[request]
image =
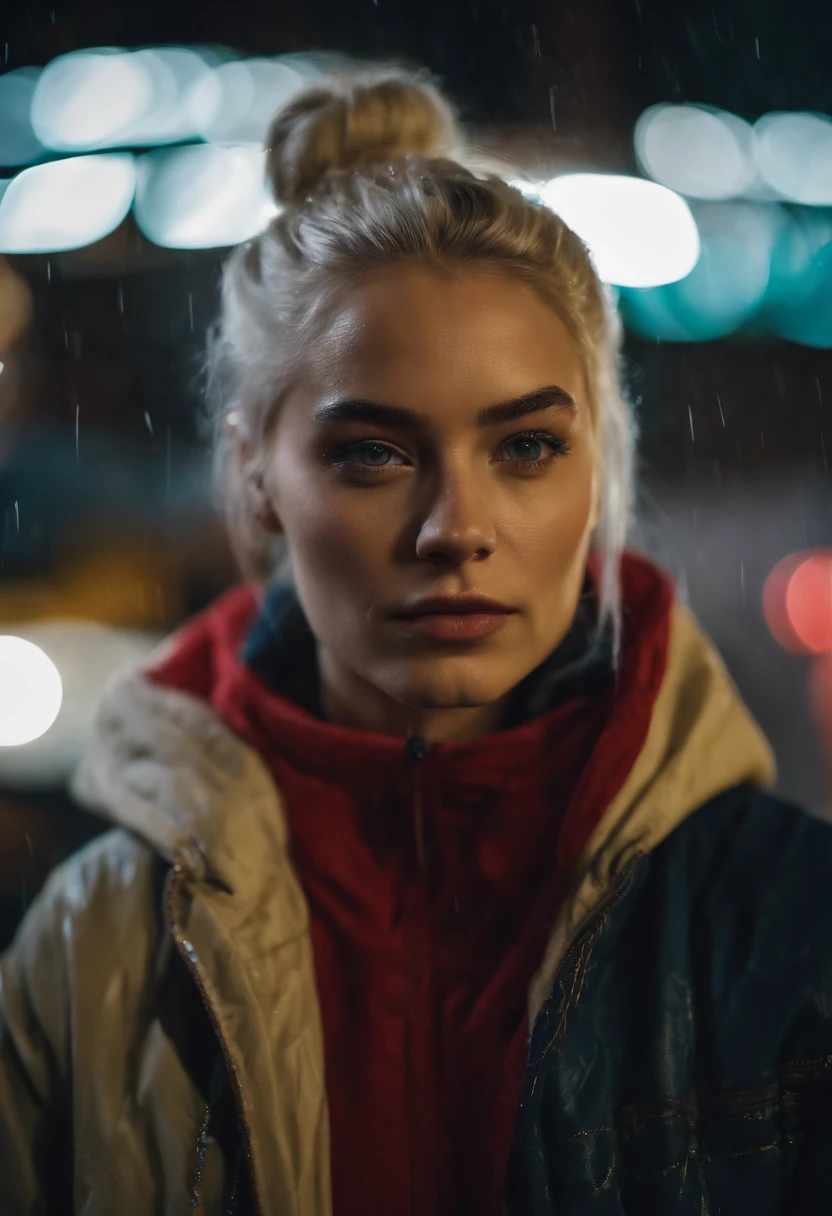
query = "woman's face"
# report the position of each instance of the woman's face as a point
(438, 443)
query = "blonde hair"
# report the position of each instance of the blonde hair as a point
(362, 165)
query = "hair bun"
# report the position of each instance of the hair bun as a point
(351, 121)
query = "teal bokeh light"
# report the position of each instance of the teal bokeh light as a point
(726, 287)
(798, 302)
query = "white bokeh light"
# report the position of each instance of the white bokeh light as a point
(86, 100)
(202, 197)
(88, 656)
(235, 102)
(91, 100)
(30, 691)
(174, 73)
(696, 151)
(793, 153)
(66, 204)
(639, 234)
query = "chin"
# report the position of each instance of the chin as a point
(449, 684)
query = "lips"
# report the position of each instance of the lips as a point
(453, 605)
(454, 618)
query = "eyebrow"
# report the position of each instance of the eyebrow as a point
(357, 410)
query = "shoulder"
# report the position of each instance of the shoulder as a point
(104, 900)
(92, 937)
(743, 892)
(116, 865)
(749, 843)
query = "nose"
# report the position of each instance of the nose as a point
(459, 526)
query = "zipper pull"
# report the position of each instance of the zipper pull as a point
(415, 749)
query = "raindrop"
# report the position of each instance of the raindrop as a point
(757, 46)
(722, 416)
(17, 514)
(690, 418)
(191, 310)
(77, 419)
(149, 423)
(730, 30)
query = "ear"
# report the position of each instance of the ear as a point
(264, 509)
(248, 468)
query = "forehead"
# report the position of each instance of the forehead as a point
(471, 336)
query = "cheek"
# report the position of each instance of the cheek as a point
(555, 534)
(332, 541)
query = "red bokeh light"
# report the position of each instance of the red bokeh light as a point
(797, 602)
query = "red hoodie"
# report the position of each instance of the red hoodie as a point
(433, 885)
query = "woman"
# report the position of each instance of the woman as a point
(443, 878)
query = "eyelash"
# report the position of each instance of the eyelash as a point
(559, 447)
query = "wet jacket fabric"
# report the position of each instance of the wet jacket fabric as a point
(433, 875)
(160, 1031)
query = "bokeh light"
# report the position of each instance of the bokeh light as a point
(66, 204)
(235, 102)
(88, 656)
(639, 233)
(797, 602)
(30, 691)
(18, 143)
(793, 154)
(88, 99)
(202, 197)
(174, 72)
(798, 301)
(698, 151)
(725, 288)
(107, 98)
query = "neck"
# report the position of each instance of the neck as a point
(347, 700)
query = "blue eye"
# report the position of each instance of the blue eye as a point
(374, 454)
(528, 447)
(535, 448)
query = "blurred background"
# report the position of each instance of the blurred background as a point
(689, 144)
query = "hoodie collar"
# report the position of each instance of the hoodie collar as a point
(275, 680)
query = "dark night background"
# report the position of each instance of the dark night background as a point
(105, 514)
